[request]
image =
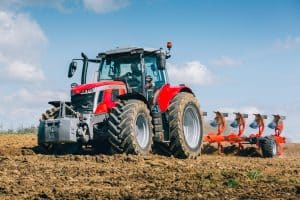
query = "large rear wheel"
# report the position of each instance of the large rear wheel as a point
(130, 128)
(185, 125)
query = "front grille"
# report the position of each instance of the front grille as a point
(83, 103)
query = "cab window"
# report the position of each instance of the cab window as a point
(158, 77)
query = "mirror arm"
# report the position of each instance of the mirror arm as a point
(168, 55)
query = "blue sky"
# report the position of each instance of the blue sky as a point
(236, 55)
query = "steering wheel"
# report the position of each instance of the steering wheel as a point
(126, 76)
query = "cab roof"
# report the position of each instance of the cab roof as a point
(128, 50)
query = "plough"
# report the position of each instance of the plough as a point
(270, 145)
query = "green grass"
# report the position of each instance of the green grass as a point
(254, 174)
(232, 183)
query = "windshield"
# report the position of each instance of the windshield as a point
(122, 67)
(119, 66)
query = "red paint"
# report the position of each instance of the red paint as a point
(218, 138)
(80, 88)
(166, 94)
(238, 137)
(278, 138)
(107, 104)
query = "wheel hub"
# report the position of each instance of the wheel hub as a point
(274, 149)
(191, 126)
(142, 130)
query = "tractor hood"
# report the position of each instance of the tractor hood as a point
(89, 86)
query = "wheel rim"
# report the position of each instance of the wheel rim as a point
(274, 149)
(142, 130)
(191, 126)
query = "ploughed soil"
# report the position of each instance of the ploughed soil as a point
(27, 174)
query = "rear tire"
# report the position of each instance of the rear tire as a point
(102, 146)
(268, 147)
(185, 125)
(130, 128)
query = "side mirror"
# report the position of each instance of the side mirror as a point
(161, 61)
(74, 85)
(72, 69)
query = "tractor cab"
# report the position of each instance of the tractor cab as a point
(131, 71)
(142, 70)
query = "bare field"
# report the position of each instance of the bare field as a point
(25, 174)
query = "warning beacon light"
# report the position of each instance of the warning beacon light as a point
(169, 45)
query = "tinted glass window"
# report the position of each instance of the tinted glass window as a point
(114, 67)
(158, 76)
(126, 67)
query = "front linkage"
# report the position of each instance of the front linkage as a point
(63, 126)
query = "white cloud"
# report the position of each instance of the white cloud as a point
(105, 6)
(291, 130)
(21, 71)
(26, 105)
(226, 62)
(191, 73)
(36, 96)
(287, 43)
(250, 110)
(245, 110)
(21, 43)
(21, 36)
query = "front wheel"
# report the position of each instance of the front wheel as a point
(51, 113)
(185, 125)
(130, 128)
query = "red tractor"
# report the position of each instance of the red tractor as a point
(129, 108)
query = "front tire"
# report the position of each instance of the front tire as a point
(51, 113)
(130, 128)
(185, 125)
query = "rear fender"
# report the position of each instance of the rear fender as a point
(167, 93)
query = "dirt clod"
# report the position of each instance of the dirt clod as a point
(27, 174)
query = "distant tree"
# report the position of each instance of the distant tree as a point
(27, 130)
